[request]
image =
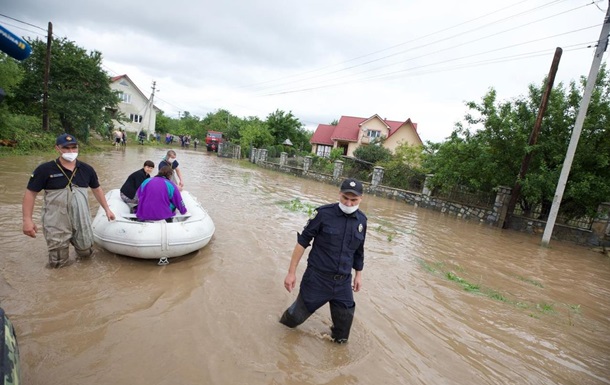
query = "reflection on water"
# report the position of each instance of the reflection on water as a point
(444, 301)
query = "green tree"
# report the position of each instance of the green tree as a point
(373, 153)
(10, 77)
(165, 124)
(79, 90)
(254, 132)
(284, 126)
(488, 151)
(217, 121)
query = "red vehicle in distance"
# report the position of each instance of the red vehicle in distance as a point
(213, 139)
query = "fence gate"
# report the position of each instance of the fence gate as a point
(229, 150)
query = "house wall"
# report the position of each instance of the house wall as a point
(405, 134)
(351, 147)
(136, 106)
(373, 124)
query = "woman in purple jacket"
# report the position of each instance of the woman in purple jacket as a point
(159, 198)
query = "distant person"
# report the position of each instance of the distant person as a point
(170, 160)
(118, 137)
(133, 182)
(159, 198)
(141, 137)
(338, 231)
(66, 218)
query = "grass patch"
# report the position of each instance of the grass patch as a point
(532, 281)
(448, 271)
(296, 205)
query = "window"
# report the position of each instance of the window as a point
(135, 118)
(373, 133)
(323, 151)
(125, 98)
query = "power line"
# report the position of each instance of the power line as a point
(24, 29)
(24, 22)
(454, 59)
(462, 66)
(424, 45)
(401, 44)
(437, 51)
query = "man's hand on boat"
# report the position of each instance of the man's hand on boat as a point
(110, 215)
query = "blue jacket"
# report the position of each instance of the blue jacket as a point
(338, 240)
(158, 199)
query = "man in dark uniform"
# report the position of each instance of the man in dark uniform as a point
(65, 214)
(133, 182)
(338, 231)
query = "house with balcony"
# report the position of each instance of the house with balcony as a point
(352, 132)
(135, 106)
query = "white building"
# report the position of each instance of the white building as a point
(135, 106)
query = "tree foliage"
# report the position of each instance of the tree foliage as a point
(255, 132)
(488, 150)
(373, 153)
(79, 90)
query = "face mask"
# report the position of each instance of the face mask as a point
(69, 156)
(348, 209)
(171, 160)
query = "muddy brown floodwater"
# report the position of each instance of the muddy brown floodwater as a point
(444, 301)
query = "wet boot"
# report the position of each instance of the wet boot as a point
(84, 253)
(296, 314)
(58, 257)
(342, 322)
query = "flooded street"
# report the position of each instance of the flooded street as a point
(444, 301)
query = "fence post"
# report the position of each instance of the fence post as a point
(306, 164)
(338, 170)
(262, 155)
(283, 157)
(377, 176)
(426, 191)
(500, 208)
(253, 154)
(601, 225)
(237, 152)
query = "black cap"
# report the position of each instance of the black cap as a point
(65, 139)
(352, 186)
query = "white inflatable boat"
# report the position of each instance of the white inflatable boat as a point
(152, 240)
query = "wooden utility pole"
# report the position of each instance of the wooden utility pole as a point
(525, 164)
(47, 70)
(602, 44)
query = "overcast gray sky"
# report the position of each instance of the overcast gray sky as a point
(323, 59)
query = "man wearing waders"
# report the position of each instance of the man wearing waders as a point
(65, 214)
(338, 231)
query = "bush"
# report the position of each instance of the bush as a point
(26, 131)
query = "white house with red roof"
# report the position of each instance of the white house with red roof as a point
(352, 132)
(134, 105)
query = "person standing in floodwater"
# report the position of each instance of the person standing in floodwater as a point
(338, 231)
(65, 215)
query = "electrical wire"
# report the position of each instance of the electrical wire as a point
(437, 51)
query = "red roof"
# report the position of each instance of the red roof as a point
(323, 134)
(348, 127)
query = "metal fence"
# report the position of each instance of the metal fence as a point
(541, 212)
(465, 196)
